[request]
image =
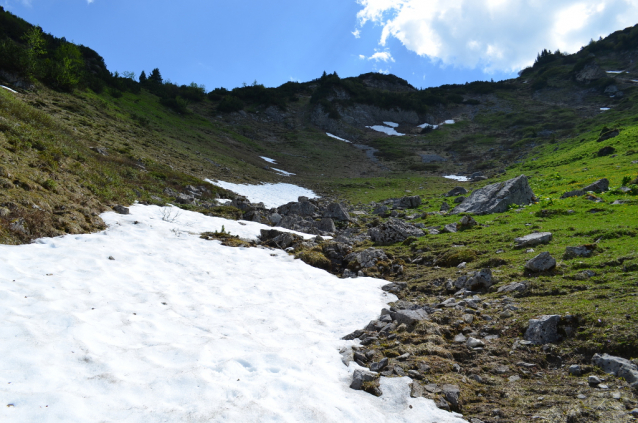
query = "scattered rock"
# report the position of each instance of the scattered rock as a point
(466, 222)
(380, 365)
(543, 330)
(393, 231)
(459, 200)
(456, 191)
(476, 281)
(475, 343)
(416, 390)
(575, 370)
(361, 376)
(327, 225)
(452, 395)
(121, 209)
(601, 185)
(364, 259)
(496, 198)
(541, 263)
(617, 366)
(612, 133)
(337, 212)
(450, 228)
(410, 317)
(460, 339)
(408, 202)
(445, 207)
(581, 251)
(533, 239)
(394, 288)
(514, 287)
(594, 380)
(606, 151)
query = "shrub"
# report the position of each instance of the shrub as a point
(230, 104)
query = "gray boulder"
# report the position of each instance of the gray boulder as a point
(541, 263)
(365, 259)
(514, 288)
(445, 207)
(496, 198)
(617, 366)
(410, 317)
(327, 225)
(456, 191)
(475, 281)
(275, 218)
(574, 193)
(601, 185)
(580, 251)
(393, 231)
(301, 208)
(379, 366)
(121, 209)
(543, 330)
(608, 135)
(361, 376)
(533, 239)
(450, 228)
(337, 212)
(380, 209)
(409, 202)
(459, 200)
(452, 394)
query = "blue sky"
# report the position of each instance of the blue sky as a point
(227, 43)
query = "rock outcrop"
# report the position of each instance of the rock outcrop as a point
(393, 231)
(496, 198)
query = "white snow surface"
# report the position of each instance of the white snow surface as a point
(604, 109)
(269, 160)
(272, 195)
(457, 178)
(283, 172)
(337, 138)
(449, 122)
(180, 329)
(615, 72)
(391, 124)
(428, 125)
(9, 89)
(385, 130)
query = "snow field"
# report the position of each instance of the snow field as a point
(269, 160)
(391, 124)
(272, 195)
(283, 172)
(457, 178)
(178, 329)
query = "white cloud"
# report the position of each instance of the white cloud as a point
(356, 33)
(382, 56)
(362, 57)
(495, 34)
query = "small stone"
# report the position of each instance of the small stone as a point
(468, 318)
(416, 390)
(403, 357)
(594, 380)
(475, 343)
(575, 370)
(415, 374)
(541, 263)
(514, 378)
(634, 413)
(602, 386)
(399, 371)
(581, 396)
(506, 314)
(378, 366)
(121, 209)
(476, 378)
(111, 258)
(361, 376)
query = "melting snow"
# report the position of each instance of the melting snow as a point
(268, 160)
(457, 178)
(177, 329)
(428, 125)
(272, 195)
(616, 72)
(9, 89)
(283, 172)
(385, 130)
(391, 124)
(449, 122)
(337, 138)
(604, 109)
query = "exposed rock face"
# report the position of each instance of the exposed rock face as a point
(496, 198)
(304, 208)
(541, 263)
(393, 231)
(337, 212)
(475, 281)
(606, 151)
(590, 73)
(533, 239)
(608, 135)
(617, 366)
(543, 330)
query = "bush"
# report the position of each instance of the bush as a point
(230, 104)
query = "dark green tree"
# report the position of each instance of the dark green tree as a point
(155, 77)
(143, 77)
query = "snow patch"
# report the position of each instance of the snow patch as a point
(337, 138)
(616, 72)
(177, 328)
(268, 159)
(9, 89)
(604, 109)
(272, 195)
(428, 125)
(391, 124)
(283, 172)
(457, 178)
(385, 130)
(449, 122)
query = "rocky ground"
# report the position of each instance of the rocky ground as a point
(457, 332)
